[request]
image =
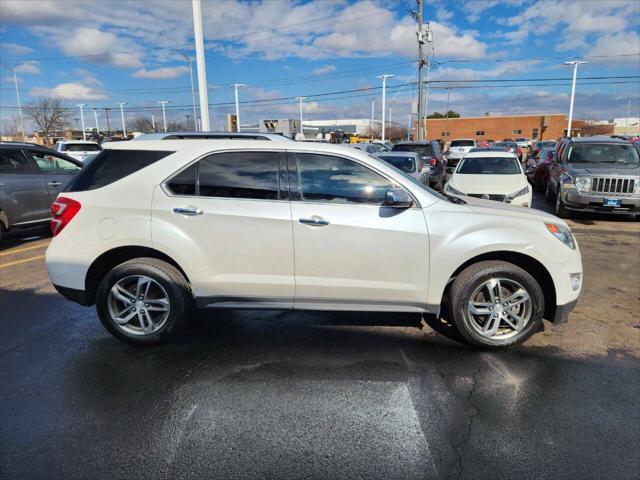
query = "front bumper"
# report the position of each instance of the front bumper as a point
(562, 312)
(75, 295)
(588, 202)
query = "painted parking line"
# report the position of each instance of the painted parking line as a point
(18, 262)
(24, 249)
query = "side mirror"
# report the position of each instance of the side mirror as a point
(397, 198)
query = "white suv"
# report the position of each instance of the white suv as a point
(149, 228)
(78, 149)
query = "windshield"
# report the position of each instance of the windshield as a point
(425, 150)
(603, 153)
(489, 166)
(406, 164)
(438, 195)
(463, 143)
(82, 147)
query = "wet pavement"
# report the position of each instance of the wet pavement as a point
(267, 394)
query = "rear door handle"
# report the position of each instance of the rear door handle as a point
(188, 211)
(54, 183)
(314, 221)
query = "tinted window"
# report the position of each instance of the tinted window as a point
(185, 182)
(13, 161)
(620, 154)
(112, 165)
(82, 147)
(338, 180)
(48, 163)
(239, 175)
(405, 164)
(489, 166)
(426, 150)
(463, 143)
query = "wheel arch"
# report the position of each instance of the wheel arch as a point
(111, 258)
(531, 265)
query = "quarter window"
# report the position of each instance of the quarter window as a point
(185, 182)
(239, 175)
(325, 178)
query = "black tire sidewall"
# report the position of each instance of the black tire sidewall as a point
(472, 278)
(165, 278)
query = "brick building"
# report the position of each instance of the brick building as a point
(536, 127)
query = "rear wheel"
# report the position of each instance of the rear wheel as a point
(141, 301)
(496, 304)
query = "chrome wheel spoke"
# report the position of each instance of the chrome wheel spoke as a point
(145, 321)
(142, 287)
(491, 325)
(130, 311)
(157, 305)
(122, 294)
(519, 321)
(481, 308)
(519, 297)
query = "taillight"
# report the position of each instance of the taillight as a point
(63, 210)
(433, 162)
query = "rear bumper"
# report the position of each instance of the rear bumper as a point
(77, 296)
(562, 312)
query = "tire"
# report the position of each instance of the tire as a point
(560, 209)
(166, 282)
(471, 285)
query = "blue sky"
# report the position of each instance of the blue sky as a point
(104, 52)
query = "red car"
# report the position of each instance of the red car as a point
(538, 168)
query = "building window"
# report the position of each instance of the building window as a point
(480, 133)
(445, 134)
(534, 134)
(517, 132)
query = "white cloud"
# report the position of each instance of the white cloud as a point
(617, 44)
(161, 73)
(15, 49)
(69, 91)
(324, 70)
(30, 67)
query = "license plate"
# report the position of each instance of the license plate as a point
(612, 202)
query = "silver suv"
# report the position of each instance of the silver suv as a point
(595, 174)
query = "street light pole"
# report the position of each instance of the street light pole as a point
(124, 128)
(384, 97)
(372, 115)
(106, 113)
(95, 117)
(84, 132)
(301, 129)
(236, 86)
(575, 64)
(202, 68)
(628, 113)
(15, 80)
(164, 115)
(193, 92)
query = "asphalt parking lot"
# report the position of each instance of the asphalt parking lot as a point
(265, 394)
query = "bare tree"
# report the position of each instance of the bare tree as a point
(48, 114)
(140, 124)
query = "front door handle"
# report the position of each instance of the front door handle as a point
(188, 211)
(314, 221)
(54, 183)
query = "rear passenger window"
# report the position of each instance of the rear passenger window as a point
(239, 175)
(112, 165)
(13, 161)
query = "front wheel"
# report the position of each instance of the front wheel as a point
(560, 210)
(141, 301)
(496, 304)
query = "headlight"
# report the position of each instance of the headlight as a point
(583, 184)
(636, 186)
(519, 193)
(562, 233)
(449, 189)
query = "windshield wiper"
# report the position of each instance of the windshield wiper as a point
(453, 199)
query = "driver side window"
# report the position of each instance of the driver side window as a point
(329, 179)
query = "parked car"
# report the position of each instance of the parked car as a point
(410, 163)
(31, 177)
(511, 147)
(538, 168)
(490, 148)
(78, 149)
(371, 148)
(431, 155)
(523, 142)
(595, 174)
(457, 149)
(386, 143)
(493, 176)
(539, 145)
(275, 137)
(149, 229)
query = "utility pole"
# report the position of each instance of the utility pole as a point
(384, 98)
(420, 37)
(448, 93)
(153, 122)
(409, 127)
(202, 68)
(76, 120)
(575, 64)
(15, 80)
(193, 92)
(187, 116)
(236, 86)
(301, 99)
(164, 115)
(106, 112)
(124, 128)
(95, 117)
(428, 34)
(628, 113)
(390, 122)
(84, 132)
